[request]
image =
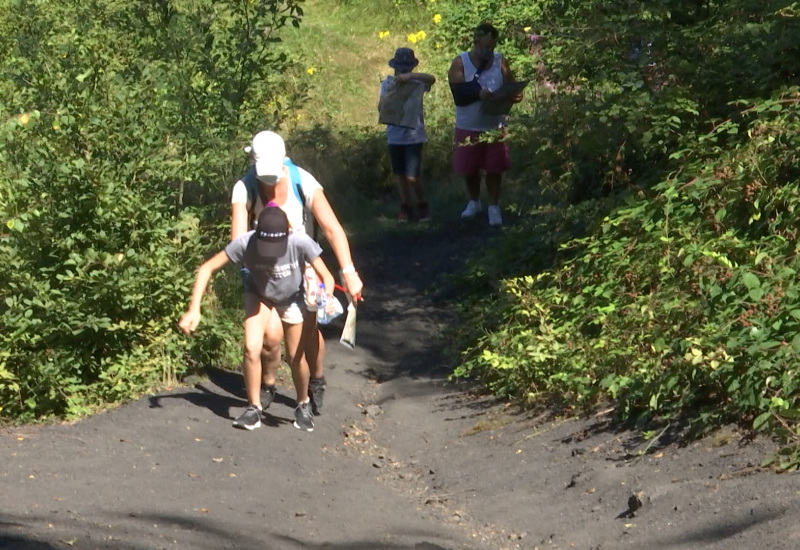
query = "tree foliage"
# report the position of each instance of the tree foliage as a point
(670, 284)
(119, 121)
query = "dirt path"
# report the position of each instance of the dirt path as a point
(399, 460)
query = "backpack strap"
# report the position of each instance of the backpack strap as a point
(251, 185)
(297, 185)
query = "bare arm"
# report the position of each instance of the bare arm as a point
(456, 73)
(239, 219)
(460, 96)
(427, 79)
(505, 69)
(508, 76)
(191, 318)
(335, 234)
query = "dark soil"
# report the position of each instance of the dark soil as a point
(399, 459)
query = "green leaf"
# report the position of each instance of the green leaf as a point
(751, 281)
(756, 294)
(83, 76)
(761, 420)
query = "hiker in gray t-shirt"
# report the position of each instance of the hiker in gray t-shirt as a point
(275, 259)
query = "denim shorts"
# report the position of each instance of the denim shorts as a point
(406, 159)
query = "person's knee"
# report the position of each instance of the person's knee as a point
(271, 349)
(252, 352)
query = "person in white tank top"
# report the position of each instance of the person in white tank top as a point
(474, 76)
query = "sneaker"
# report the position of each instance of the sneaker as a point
(424, 213)
(267, 396)
(303, 417)
(495, 217)
(249, 420)
(316, 391)
(405, 213)
(473, 209)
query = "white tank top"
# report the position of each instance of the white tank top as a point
(470, 117)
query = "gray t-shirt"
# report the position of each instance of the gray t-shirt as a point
(280, 281)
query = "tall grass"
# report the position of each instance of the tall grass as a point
(335, 134)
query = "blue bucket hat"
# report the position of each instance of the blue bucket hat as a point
(403, 60)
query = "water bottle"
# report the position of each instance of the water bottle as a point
(322, 299)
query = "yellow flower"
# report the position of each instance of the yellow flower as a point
(23, 119)
(311, 70)
(527, 29)
(437, 18)
(383, 34)
(415, 37)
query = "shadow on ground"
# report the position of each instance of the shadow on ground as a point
(178, 530)
(222, 393)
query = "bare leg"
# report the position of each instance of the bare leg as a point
(416, 185)
(271, 352)
(473, 182)
(313, 345)
(402, 188)
(255, 321)
(493, 187)
(294, 351)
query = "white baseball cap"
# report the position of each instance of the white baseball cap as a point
(268, 152)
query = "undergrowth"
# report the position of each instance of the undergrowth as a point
(662, 273)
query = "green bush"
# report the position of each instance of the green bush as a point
(663, 277)
(683, 303)
(120, 123)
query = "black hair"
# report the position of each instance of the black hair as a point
(485, 29)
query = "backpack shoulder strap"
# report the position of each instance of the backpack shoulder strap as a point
(251, 185)
(297, 185)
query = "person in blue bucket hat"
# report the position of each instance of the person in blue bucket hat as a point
(405, 143)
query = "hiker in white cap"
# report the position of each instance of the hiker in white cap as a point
(273, 177)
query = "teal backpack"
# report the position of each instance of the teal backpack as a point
(251, 184)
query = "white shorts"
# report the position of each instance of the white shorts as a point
(292, 314)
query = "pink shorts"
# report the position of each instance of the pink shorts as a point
(471, 155)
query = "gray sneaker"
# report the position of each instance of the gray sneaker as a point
(316, 391)
(267, 396)
(303, 417)
(250, 419)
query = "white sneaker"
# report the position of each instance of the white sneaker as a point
(472, 210)
(495, 217)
